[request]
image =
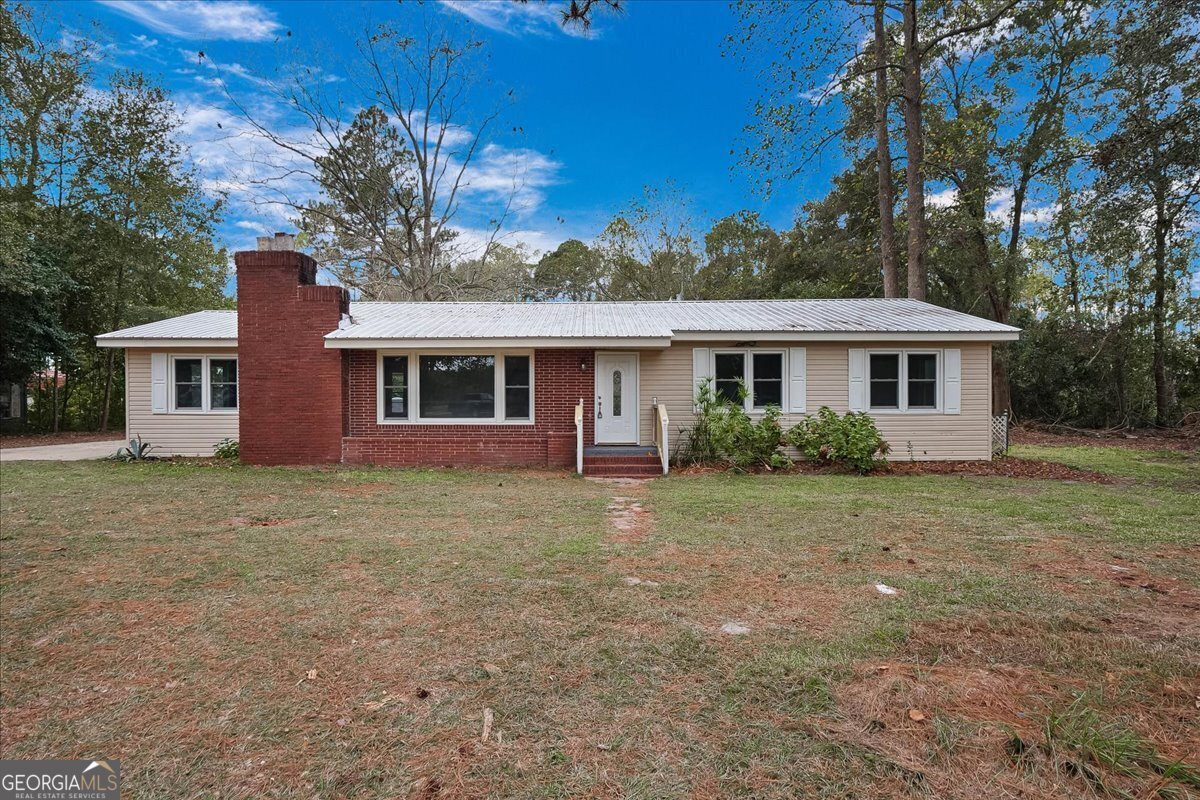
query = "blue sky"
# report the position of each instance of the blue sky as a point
(645, 98)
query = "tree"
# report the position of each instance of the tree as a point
(739, 251)
(573, 271)
(648, 251)
(391, 180)
(1150, 161)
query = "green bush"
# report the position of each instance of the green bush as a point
(852, 440)
(725, 434)
(227, 448)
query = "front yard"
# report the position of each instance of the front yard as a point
(351, 633)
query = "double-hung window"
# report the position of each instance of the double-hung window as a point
(760, 372)
(455, 387)
(903, 380)
(204, 383)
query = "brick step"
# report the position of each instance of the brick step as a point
(618, 460)
(623, 471)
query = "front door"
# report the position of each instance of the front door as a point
(616, 398)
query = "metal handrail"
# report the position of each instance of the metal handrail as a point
(579, 437)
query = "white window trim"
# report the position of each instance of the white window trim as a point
(902, 395)
(414, 388)
(748, 354)
(205, 386)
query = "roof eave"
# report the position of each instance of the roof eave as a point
(163, 341)
(852, 336)
(545, 342)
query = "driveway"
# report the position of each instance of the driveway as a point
(76, 451)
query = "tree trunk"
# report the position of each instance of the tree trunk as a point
(914, 145)
(883, 156)
(1162, 391)
(54, 398)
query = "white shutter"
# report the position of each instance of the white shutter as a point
(797, 380)
(158, 382)
(952, 382)
(858, 372)
(700, 370)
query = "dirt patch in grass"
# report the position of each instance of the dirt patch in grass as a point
(66, 437)
(1183, 439)
(1027, 468)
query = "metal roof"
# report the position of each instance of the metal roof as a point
(205, 326)
(645, 323)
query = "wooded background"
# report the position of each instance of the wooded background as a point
(953, 115)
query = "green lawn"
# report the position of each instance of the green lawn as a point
(1044, 641)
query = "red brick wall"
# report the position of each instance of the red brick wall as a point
(291, 389)
(558, 384)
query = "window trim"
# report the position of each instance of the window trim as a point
(205, 384)
(414, 388)
(748, 354)
(902, 372)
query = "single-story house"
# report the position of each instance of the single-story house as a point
(299, 374)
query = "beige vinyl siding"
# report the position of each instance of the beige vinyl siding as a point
(667, 375)
(181, 434)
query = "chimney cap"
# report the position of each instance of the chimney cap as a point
(278, 242)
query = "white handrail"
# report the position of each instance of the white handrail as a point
(579, 437)
(662, 425)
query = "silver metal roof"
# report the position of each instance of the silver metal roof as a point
(648, 323)
(201, 325)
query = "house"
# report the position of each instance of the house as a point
(301, 375)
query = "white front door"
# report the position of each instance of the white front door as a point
(616, 398)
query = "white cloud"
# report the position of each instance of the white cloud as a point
(144, 40)
(517, 19)
(498, 173)
(943, 199)
(234, 20)
(222, 70)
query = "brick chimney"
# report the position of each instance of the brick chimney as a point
(291, 389)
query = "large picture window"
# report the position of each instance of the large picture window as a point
(455, 387)
(458, 387)
(903, 381)
(760, 372)
(204, 383)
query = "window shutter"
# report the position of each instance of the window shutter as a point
(952, 383)
(858, 372)
(700, 370)
(797, 380)
(158, 383)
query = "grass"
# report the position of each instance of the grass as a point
(1045, 634)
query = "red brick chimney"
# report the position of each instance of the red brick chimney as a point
(291, 389)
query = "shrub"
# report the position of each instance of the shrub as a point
(137, 451)
(852, 440)
(725, 434)
(227, 448)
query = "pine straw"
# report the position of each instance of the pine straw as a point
(1009, 467)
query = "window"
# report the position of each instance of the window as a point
(455, 387)
(903, 381)
(729, 369)
(760, 372)
(885, 380)
(204, 383)
(189, 383)
(222, 382)
(922, 380)
(616, 393)
(395, 387)
(516, 387)
(768, 380)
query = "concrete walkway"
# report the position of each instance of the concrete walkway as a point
(76, 451)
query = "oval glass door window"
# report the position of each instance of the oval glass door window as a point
(616, 398)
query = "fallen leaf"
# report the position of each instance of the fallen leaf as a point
(488, 718)
(491, 669)
(311, 675)
(915, 715)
